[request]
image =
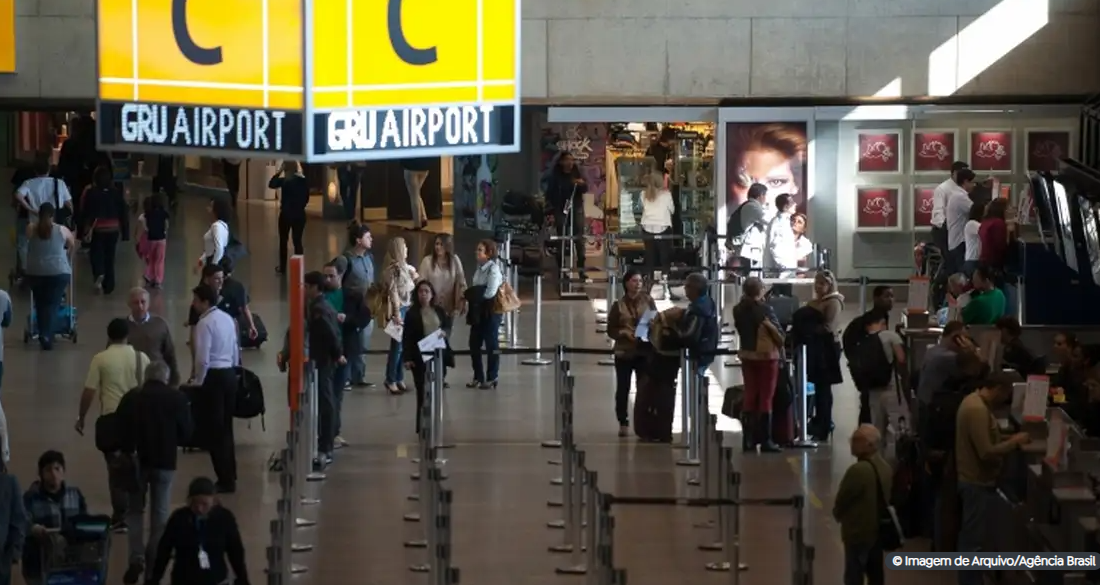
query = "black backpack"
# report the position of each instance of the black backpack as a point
(868, 364)
(250, 396)
(733, 227)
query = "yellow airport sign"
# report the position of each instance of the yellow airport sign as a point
(231, 53)
(325, 80)
(413, 52)
(7, 36)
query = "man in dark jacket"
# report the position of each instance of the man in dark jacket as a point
(565, 194)
(882, 301)
(154, 421)
(699, 328)
(326, 350)
(352, 314)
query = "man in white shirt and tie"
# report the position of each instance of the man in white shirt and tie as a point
(217, 355)
(939, 206)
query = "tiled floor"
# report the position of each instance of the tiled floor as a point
(498, 473)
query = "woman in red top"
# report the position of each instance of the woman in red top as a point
(107, 220)
(993, 234)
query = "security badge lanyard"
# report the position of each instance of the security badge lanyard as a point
(204, 559)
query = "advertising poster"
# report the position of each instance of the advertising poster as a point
(877, 208)
(1045, 148)
(991, 151)
(773, 154)
(588, 145)
(933, 151)
(477, 202)
(879, 152)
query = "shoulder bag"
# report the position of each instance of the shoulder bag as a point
(889, 528)
(506, 300)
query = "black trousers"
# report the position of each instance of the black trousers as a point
(864, 408)
(218, 400)
(576, 216)
(658, 253)
(625, 367)
(326, 407)
(293, 228)
(420, 382)
(822, 423)
(101, 254)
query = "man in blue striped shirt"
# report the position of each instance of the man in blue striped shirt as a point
(217, 355)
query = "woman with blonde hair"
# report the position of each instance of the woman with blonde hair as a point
(657, 210)
(823, 352)
(294, 197)
(398, 284)
(443, 269)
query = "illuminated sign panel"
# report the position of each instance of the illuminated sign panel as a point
(7, 36)
(356, 80)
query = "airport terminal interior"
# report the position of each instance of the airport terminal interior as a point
(498, 472)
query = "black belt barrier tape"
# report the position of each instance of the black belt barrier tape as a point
(701, 502)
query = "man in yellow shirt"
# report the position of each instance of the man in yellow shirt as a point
(112, 373)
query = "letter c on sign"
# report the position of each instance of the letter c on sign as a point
(400, 44)
(187, 45)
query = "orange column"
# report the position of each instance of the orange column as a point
(297, 357)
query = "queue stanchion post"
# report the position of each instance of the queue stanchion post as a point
(317, 473)
(798, 556)
(569, 462)
(567, 388)
(689, 411)
(802, 439)
(604, 572)
(424, 465)
(505, 332)
(685, 426)
(303, 446)
(438, 372)
(513, 316)
(442, 570)
(712, 467)
(432, 422)
(730, 525)
(721, 490)
(580, 565)
(430, 505)
(537, 360)
(559, 371)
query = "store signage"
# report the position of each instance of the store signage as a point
(7, 36)
(409, 128)
(923, 197)
(385, 78)
(576, 143)
(138, 126)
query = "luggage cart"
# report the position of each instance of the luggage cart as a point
(78, 555)
(66, 314)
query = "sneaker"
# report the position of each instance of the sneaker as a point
(119, 526)
(134, 573)
(99, 285)
(339, 442)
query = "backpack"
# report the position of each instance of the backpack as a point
(868, 364)
(734, 230)
(664, 336)
(250, 396)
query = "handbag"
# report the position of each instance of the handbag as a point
(889, 528)
(107, 434)
(506, 300)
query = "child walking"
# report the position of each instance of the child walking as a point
(153, 238)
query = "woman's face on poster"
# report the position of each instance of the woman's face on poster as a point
(769, 168)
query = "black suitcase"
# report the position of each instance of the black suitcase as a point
(261, 332)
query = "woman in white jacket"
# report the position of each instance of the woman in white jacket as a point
(784, 249)
(657, 209)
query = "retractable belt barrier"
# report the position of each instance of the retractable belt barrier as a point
(864, 282)
(588, 524)
(296, 467)
(433, 499)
